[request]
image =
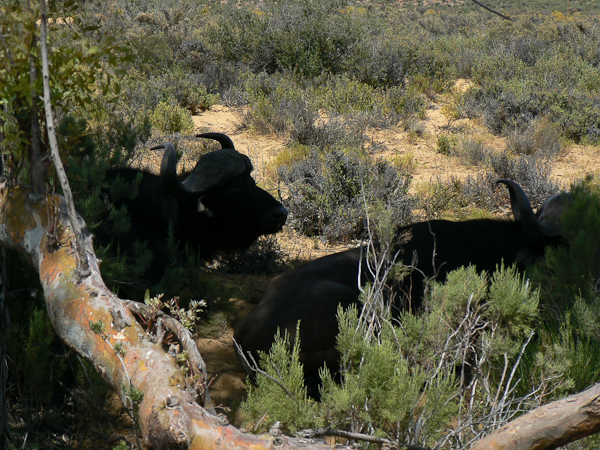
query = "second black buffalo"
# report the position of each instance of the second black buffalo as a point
(312, 292)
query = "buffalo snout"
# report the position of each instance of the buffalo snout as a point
(277, 217)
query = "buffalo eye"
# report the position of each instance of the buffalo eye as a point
(234, 195)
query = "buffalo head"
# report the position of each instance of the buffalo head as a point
(216, 207)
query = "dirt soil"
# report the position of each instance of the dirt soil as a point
(227, 388)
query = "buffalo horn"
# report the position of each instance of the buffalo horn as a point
(221, 138)
(218, 167)
(212, 170)
(168, 168)
(523, 212)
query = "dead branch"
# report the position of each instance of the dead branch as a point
(549, 426)
(183, 335)
(357, 437)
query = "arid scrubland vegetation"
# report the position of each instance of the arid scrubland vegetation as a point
(395, 111)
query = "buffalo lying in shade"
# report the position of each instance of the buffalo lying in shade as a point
(215, 208)
(312, 292)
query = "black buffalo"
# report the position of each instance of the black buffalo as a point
(312, 292)
(215, 208)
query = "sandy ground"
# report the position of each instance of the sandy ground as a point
(227, 388)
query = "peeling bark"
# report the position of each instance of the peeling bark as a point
(549, 426)
(169, 416)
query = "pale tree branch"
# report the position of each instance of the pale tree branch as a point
(37, 173)
(83, 268)
(358, 437)
(168, 414)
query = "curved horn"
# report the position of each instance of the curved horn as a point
(221, 138)
(168, 169)
(218, 167)
(523, 212)
(226, 143)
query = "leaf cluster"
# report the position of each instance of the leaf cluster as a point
(78, 56)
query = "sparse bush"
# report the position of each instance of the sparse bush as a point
(406, 102)
(528, 75)
(169, 118)
(327, 193)
(532, 174)
(469, 151)
(473, 151)
(439, 197)
(343, 95)
(293, 408)
(541, 138)
(294, 38)
(335, 131)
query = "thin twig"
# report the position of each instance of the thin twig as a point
(252, 365)
(491, 10)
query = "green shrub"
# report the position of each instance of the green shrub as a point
(33, 361)
(437, 198)
(402, 381)
(295, 38)
(292, 407)
(473, 151)
(572, 272)
(406, 102)
(343, 94)
(384, 391)
(169, 118)
(532, 74)
(446, 144)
